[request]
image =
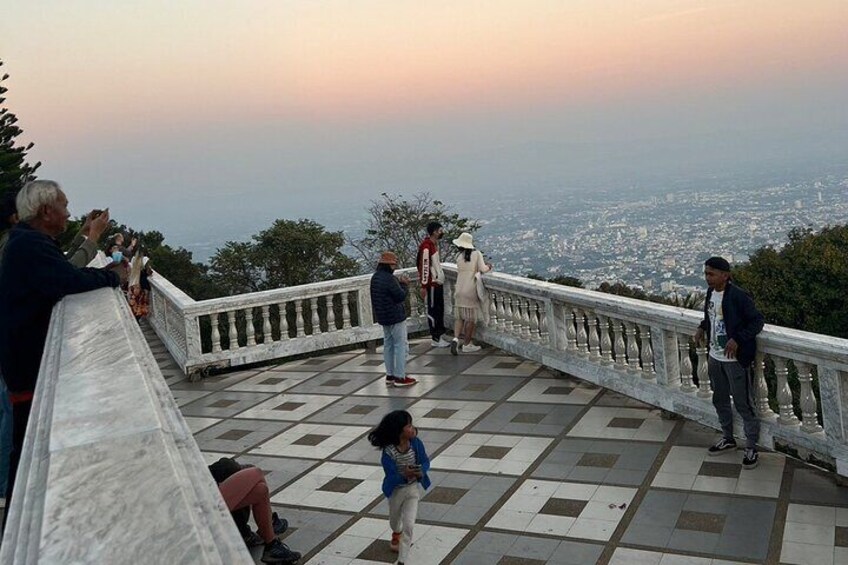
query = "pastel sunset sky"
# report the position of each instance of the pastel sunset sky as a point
(270, 108)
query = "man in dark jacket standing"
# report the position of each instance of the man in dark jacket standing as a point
(34, 276)
(388, 295)
(731, 324)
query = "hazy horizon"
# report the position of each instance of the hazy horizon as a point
(191, 114)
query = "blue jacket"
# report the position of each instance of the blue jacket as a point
(742, 321)
(34, 276)
(387, 298)
(393, 477)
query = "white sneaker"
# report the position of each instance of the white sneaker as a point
(470, 348)
(439, 343)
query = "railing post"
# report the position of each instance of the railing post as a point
(284, 321)
(764, 411)
(192, 333)
(704, 389)
(831, 383)
(647, 352)
(809, 415)
(331, 314)
(249, 330)
(345, 311)
(216, 333)
(316, 320)
(582, 336)
(606, 341)
(686, 383)
(366, 316)
(632, 348)
(620, 346)
(786, 416)
(298, 318)
(234, 343)
(594, 338)
(666, 368)
(266, 324)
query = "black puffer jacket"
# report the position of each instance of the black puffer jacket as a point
(387, 298)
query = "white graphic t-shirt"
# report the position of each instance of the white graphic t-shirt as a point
(718, 333)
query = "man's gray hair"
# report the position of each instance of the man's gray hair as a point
(34, 195)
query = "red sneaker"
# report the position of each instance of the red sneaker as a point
(406, 381)
(394, 545)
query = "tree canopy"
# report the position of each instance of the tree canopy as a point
(14, 168)
(397, 224)
(289, 253)
(803, 284)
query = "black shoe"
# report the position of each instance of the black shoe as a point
(278, 552)
(454, 344)
(750, 459)
(253, 540)
(280, 525)
(721, 446)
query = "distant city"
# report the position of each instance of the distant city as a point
(654, 240)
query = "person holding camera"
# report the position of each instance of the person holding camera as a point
(406, 465)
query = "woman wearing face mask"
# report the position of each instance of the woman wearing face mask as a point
(119, 263)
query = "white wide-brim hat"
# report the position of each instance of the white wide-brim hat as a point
(464, 241)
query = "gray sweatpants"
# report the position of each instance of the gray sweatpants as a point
(729, 378)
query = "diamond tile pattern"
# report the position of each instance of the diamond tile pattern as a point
(527, 467)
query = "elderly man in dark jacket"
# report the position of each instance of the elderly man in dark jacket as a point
(34, 276)
(388, 295)
(731, 324)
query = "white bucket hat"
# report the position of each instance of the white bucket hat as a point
(464, 241)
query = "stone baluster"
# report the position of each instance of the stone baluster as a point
(284, 322)
(594, 337)
(632, 348)
(570, 331)
(517, 316)
(761, 402)
(216, 334)
(526, 327)
(331, 313)
(606, 340)
(544, 332)
(786, 415)
(582, 337)
(345, 311)
(620, 346)
(298, 318)
(533, 326)
(647, 352)
(502, 321)
(266, 324)
(249, 330)
(508, 313)
(316, 321)
(809, 410)
(493, 310)
(686, 383)
(704, 390)
(234, 343)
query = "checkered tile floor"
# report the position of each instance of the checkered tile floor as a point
(528, 467)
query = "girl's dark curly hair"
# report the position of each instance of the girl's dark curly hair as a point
(389, 429)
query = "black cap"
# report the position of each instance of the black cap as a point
(718, 263)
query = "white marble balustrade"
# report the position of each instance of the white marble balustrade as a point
(644, 350)
(109, 471)
(273, 324)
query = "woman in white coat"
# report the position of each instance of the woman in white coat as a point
(468, 311)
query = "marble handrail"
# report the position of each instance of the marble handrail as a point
(644, 350)
(109, 466)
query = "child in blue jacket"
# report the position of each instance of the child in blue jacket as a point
(405, 463)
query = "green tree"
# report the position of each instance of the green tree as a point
(802, 285)
(289, 253)
(397, 224)
(14, 169)
(559, 279)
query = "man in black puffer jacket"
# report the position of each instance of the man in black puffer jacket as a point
(388, 296)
